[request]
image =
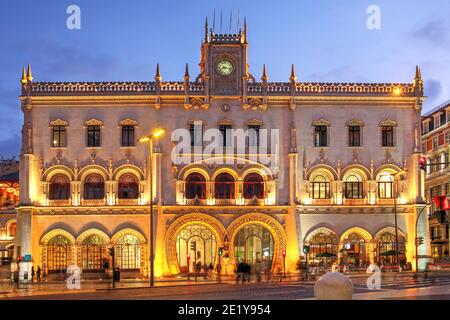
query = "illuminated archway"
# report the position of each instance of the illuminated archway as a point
(193, 219)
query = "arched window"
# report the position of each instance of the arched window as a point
(94, 187)
(385, 182)
(195, 186)
(253, 186)
(323, 249)
(224, 186)
(353, 187)
(128, 187)
(93, 253)
(128, 252)
(355, 251)
(58, 254)
(320, 187)
(59, 188)
(386, 252)
(254, 244)
(12, 229)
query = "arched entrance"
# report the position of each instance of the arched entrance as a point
(386, 248)
(253, 244)
(57, 251)
(257, 236)
(207, 233)
(197, 242)
(356, 248)
(323, 247)
(94, 244)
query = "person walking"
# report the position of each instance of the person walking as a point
(38, 274)
(32, 273)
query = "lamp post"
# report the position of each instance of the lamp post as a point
(416, 238)
(395, 218)
(155, 134)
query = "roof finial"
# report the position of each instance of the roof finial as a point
(158, 75)
(186, 72)
(264, 75)
(293, 77)
(24, 77)
(29, 74)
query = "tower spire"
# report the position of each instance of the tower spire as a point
(29, 74)
(293, 77)
(158, 75)
(418, 73)
(264, 75)
(186, 73)
(206, 29)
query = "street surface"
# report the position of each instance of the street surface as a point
(393, 286)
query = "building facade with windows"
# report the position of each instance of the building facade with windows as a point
(436, 143)
(294, 163)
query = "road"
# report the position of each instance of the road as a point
(400, 287)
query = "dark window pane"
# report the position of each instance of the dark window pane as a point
(128, 136)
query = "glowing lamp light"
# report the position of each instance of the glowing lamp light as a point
(347, 246)
(283, 253)
(397, 91)
(266, 253)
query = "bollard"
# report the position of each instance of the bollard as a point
(333, 286)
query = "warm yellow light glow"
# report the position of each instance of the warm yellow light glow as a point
(397, 91)
(155, 134)
(158, 132)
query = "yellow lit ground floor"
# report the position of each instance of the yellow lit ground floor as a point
(272, 239)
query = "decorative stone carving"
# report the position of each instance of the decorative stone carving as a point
(58, 122)
(388, 122)
(128, 122)
(93, 122)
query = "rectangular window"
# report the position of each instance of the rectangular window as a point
(425, 127)
(93, 136)
(437, 122)
(253, 135)
(354, 136)
(387, 136)
(447, 137)
(128, 136)
(59, 136)
(443, 118)
(430, 126)
(435, 142)
(225, 130)
(320, 136)
(196, 133)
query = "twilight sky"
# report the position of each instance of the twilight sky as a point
(327, 40)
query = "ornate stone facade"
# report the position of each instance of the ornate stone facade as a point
(311, 178)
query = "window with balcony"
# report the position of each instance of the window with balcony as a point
(195, 186)
(320, 186)
(353, 187)
(196, 134)
(385, 184)
(94, 187)
(224, 186)
(59, 188)
(128, 186)
(253, 186)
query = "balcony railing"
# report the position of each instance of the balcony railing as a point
(59, 203)
(321, 202)
(93, 202)
(354, 202)
(127, 202)
(385, 201)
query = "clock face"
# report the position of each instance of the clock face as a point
(225, 67)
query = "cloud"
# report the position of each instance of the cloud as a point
(61, 61)
(432, 89)
(435, 31)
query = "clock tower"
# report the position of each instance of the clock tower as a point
(223, 65)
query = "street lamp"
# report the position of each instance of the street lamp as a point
(416, 238)
(155, 134)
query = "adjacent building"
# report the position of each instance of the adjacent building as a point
(296, 162)
(435, 143)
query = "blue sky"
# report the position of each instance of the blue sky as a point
(327, 40)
